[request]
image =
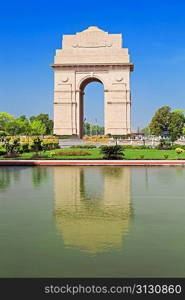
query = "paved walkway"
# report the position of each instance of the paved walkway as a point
(92, 162)
(67, 143)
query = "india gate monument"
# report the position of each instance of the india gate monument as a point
(92, 55)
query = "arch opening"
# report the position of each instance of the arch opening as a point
(91, 107)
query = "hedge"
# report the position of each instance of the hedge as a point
(69, 153)
(2, 150)
(84, 146)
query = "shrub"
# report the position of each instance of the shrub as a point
(84, 146)
(36, 156)
(32, 147)
(122, 136)
(37, 144)
(49, 145)
(2, 150)
(164, 144)
(166, 156)
(141, 156)
(24, 147)
(163, 148)
(2, 135)
(73, 136)
(178, 146)
(112, 152)
(142, 147)
(69, 153)
(179, 151)
(12, 146)
(10, 155)
(56, 145)
(128, 147)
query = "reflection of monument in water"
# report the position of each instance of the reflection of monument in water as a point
(92, 206)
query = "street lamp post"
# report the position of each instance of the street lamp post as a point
(96, 121)
(84, 125)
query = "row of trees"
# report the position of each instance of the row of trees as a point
(35, 125)
(90, 129)
(167, 123)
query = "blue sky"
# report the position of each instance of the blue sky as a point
(154, 32)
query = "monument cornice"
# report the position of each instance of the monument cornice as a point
(130, 65)
(65, 102)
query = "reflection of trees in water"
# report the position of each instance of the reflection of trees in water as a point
(4, 178)
(39, 175)
(16, 174)
(179, 170)
(146, 177)
(7, 176)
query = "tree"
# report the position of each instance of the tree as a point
(168, 123)
(87, 128)
(5, 118)
(146, 130)
(160, 121)
(12, 127)
(179, 111)
(90, 129)
(40, 124)
(176, 125)
(183, 131)
(37, 127)
(44, 118)
(24, 127)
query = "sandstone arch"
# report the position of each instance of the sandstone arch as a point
(92, 55)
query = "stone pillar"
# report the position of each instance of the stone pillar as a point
(64, 105)
(117, 107)
(128, 111)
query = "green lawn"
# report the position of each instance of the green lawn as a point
(152, 154)
(94, 154)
